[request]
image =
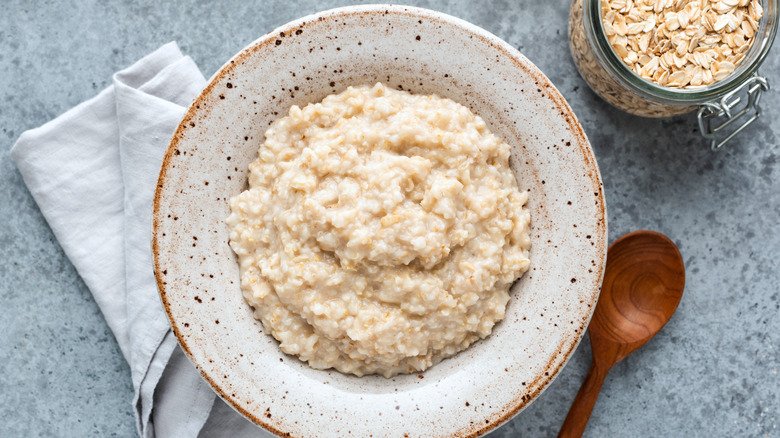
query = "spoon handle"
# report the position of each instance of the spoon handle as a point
(580, 410)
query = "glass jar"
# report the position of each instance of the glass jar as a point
(717, 103)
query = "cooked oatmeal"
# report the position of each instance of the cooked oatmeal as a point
(380, 232)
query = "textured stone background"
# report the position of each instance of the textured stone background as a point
(713, 371)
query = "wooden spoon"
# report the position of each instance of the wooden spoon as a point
(643, 284)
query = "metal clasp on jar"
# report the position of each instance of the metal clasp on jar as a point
(723, 109)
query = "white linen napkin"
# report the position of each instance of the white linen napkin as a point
(93, 172)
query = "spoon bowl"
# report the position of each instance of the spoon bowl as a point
(643, 284)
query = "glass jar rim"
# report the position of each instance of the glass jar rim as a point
(764, 38)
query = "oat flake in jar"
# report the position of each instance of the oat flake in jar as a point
(662, 58)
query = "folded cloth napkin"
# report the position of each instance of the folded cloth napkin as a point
(93, 172)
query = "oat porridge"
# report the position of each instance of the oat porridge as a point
(381, 231)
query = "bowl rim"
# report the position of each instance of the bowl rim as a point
(521, 401)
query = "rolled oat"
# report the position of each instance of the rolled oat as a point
(681, 43)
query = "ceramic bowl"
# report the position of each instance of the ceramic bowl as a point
(424, 52)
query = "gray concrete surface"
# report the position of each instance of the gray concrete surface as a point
(713, 371)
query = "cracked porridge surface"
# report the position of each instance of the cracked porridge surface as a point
(381, 231)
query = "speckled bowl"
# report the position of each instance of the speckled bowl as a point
(424, 52)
